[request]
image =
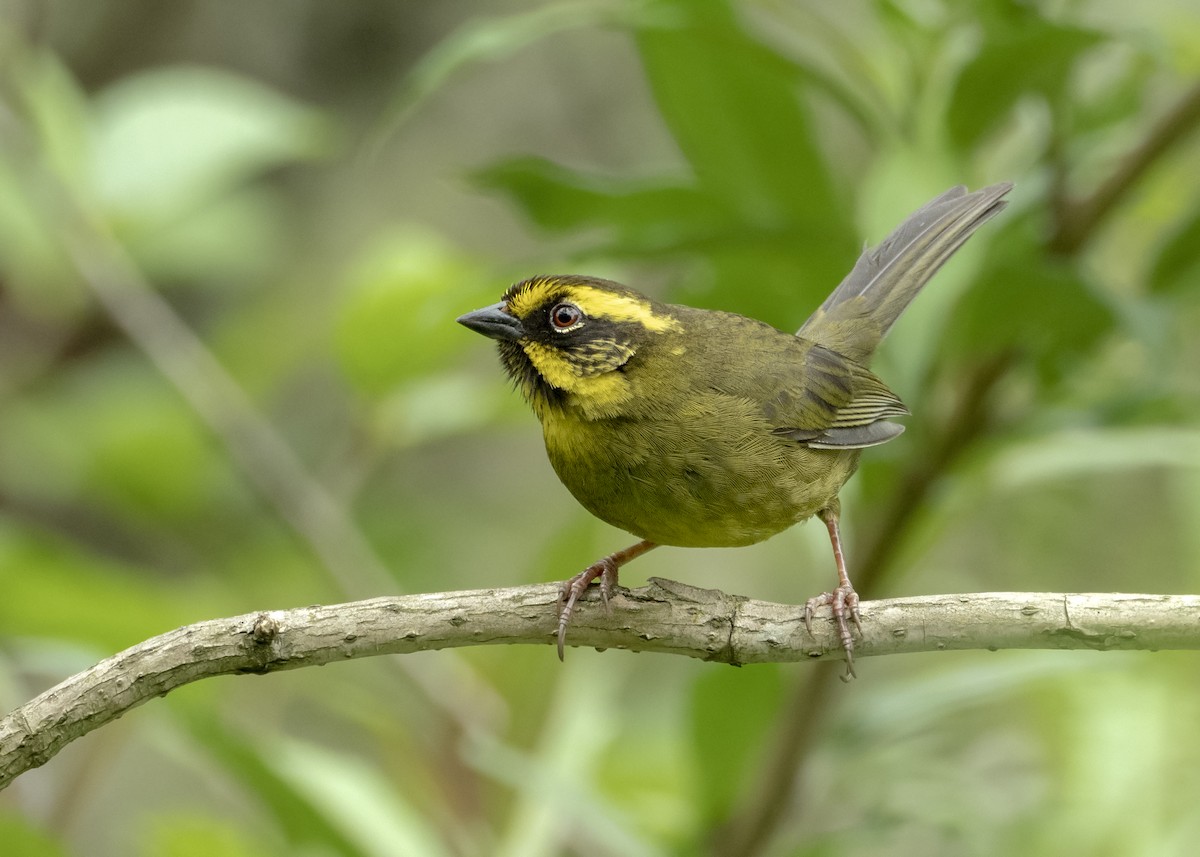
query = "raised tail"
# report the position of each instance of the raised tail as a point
(854, 319)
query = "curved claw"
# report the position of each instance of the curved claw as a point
(568, 594)
(843, 602)
(574, 587)
(566, 605)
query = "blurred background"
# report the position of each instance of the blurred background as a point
(233, 241)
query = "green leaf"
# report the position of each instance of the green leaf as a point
(1177, 268)
(235, 242)
(200, 836)
(1026, 55)
(1039, 307)
(300, 817)
(403, 295)
(23, 840)
(169, 139)
(57, 110)
(735, 109)
(356, 800)
(779, 279)
(728, 739)
(100, 603)
(51, 140)
(38, 276)
(777, 275)
(654, 215)
(1056, 458)
(481, 40)
(761, 224)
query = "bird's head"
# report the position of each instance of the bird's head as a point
(571, 338)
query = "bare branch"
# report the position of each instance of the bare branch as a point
(663, 616)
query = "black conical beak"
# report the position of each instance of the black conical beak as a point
(493, 321)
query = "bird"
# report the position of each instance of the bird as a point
(702, 428)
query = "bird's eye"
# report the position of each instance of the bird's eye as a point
(565, 317)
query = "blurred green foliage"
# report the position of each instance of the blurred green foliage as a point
(317, 190)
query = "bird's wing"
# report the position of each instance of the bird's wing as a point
(834, 404)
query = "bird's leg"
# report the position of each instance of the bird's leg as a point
(605, 569)
(843, 600)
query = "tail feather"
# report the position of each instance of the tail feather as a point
(860, 311)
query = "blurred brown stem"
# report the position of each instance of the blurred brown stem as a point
(1076, 220)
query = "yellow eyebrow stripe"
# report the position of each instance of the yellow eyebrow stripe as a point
(595, 301)
(600, 304)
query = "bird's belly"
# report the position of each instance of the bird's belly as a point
(676, 485)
